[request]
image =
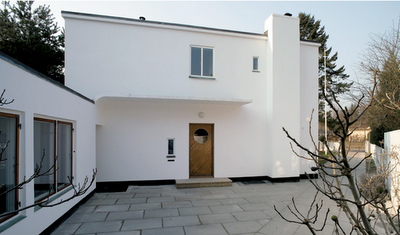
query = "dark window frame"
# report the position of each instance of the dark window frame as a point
(56, 160)
(17, 129)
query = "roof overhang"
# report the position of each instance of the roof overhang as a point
(173, 99)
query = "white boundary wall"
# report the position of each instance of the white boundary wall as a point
(392, 149)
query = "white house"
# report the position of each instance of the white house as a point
(165, 101)
(156, 84)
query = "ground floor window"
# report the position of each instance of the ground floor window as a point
(9, 132)
(53, 156)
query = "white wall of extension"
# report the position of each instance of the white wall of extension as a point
(37, 97)
(130, 66)
(308, 101)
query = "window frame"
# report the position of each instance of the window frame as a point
(17, 137)
(173, 146)
(202, 63)
(72, 152)
(56, 154)
(256, 58)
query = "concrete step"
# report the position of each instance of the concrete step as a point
(203, 182)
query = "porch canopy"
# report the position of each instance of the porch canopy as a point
(174, 99)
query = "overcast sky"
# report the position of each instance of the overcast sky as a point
(349, 24)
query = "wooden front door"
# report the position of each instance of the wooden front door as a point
(201, 150)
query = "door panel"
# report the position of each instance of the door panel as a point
(201, 159)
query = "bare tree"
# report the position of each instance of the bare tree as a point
(78, 190)
(337, 171)
(308, 219)
(383, 57)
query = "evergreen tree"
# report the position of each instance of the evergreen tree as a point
(32, 37)
(311, 30)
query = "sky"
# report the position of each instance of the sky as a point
(349, 24)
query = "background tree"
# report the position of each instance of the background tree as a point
(383, 56)
(311, 30)
(32, 37)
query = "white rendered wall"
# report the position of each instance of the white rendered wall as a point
(309, 101)
(392, 154)
(142, 130)
(159, 65)
(36, 97)
(283, 89)
(123, 58)
(128, 58)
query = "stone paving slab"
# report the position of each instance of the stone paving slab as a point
(103, 226)
(216, 229)
(164, 231)
(180, 221)
(139, 224)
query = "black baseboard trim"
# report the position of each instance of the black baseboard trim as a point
(122, 186)
(311, 176)
(274, 180)
(251, 178)
(63, 218)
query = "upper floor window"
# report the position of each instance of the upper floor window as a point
(8, 165)
(255, 64)
(201, 61)
(53, 154)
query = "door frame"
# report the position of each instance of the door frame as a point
(212, 125)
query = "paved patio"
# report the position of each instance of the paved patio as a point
(239, 209)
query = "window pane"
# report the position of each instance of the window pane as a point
(170, 146)
(196, 61)
(8, 163)
(255, 63)
(200, 136)
(64, 159)
(44, 142)
(207, 62)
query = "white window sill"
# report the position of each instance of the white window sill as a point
(256, 71)
(199, 77)
(10, 222)
(54, 197)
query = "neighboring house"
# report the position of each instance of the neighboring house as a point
(165, 101)
(360, 134)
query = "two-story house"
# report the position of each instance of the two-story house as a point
(156, 101)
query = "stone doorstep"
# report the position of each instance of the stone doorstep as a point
(203, 182)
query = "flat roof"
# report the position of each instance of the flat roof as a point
(32, 71)
(70, 14)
